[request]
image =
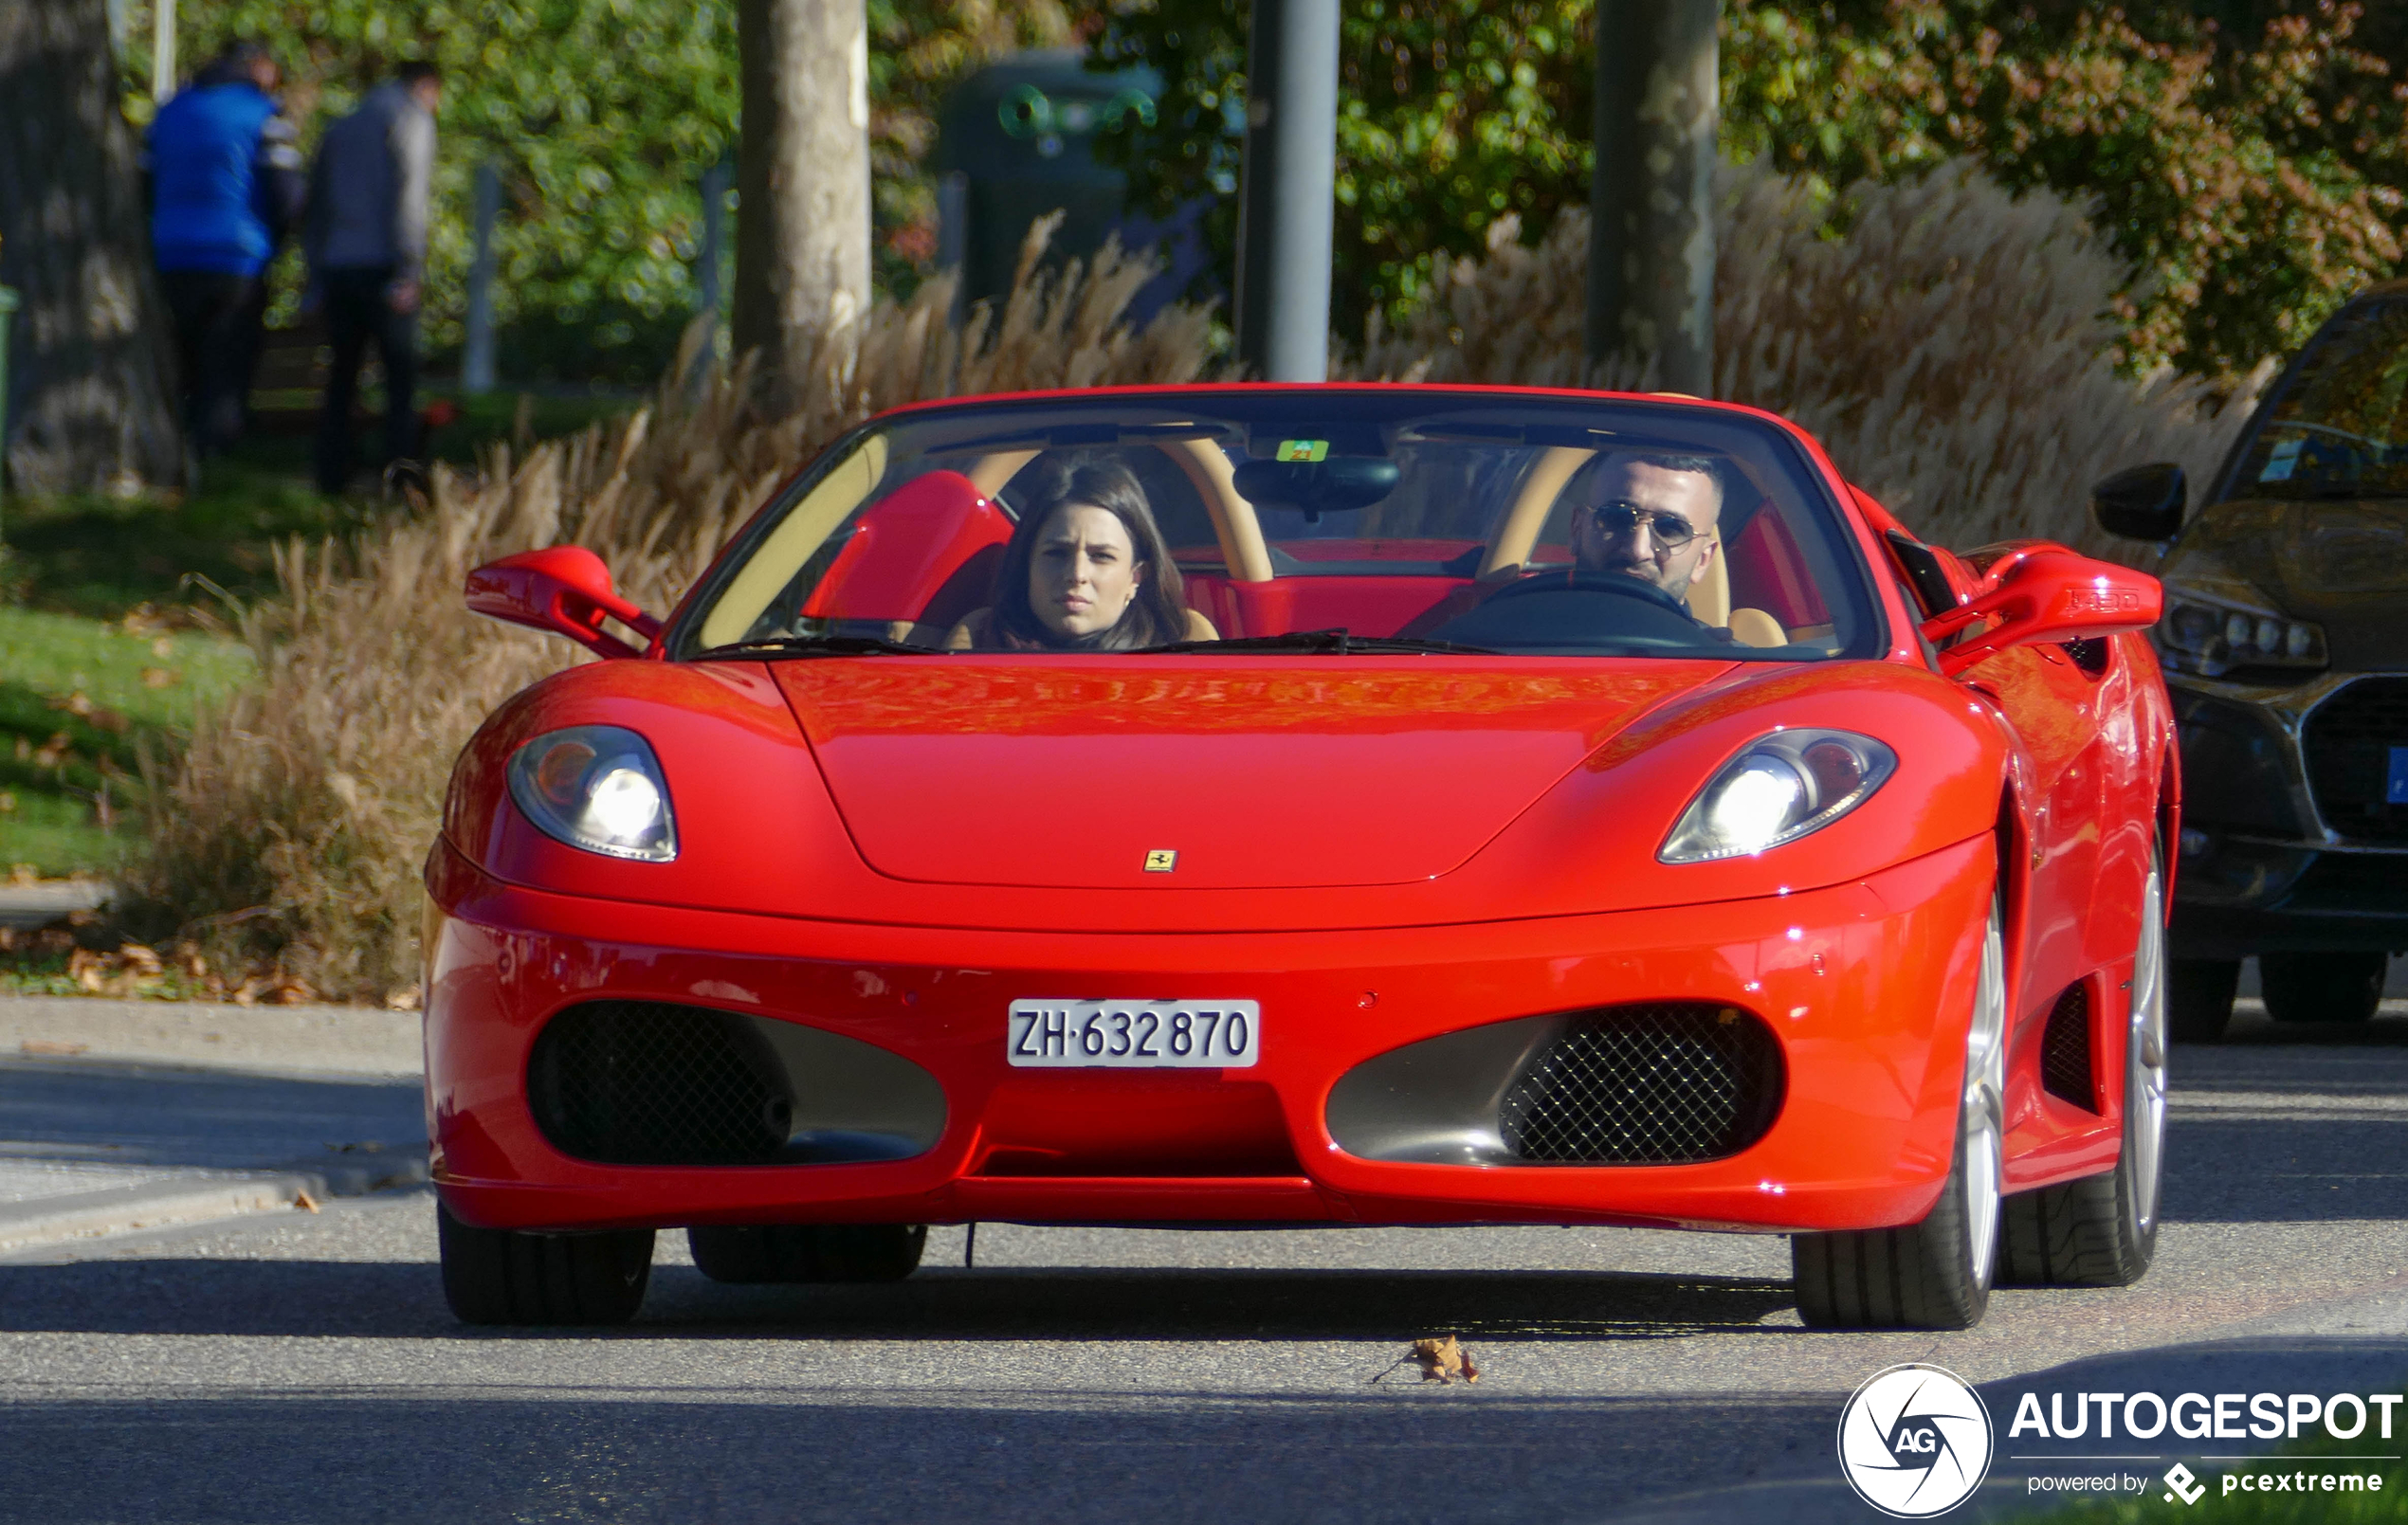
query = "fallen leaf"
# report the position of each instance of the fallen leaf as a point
(51, 1045)
(303, 1199)
(402, 998)
(1442, 1360)
(22, 875)
(159, 676)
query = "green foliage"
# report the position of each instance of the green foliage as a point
(2253, 176)
(2250, 167)
(601, 115)
(82, 703)
(1452, 113)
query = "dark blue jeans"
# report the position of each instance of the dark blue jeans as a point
(356, 312)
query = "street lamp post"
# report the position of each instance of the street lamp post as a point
(1287, 198)
(1652, 195)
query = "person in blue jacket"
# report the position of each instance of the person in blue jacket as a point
(226, 186)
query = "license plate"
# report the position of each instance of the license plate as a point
(1133, 1035)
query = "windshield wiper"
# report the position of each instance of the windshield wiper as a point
(818, 645)
(1336, 642)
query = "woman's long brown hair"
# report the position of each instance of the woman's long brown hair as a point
(1159, 612)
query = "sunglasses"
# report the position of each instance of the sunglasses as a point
(1619, 516)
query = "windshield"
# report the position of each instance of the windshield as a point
(2340, 427)
(1329, 519)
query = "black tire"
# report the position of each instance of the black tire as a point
(793, 1253)
(2198, 998)
(2322, 986)
(1921, 1275)
(1935, 1274)
(499, 1275)
(2101, 1231)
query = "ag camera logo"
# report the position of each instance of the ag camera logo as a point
(1914, 1441)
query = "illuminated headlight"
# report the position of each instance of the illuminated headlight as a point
(1781, 789)
(599, 788)
(2212, 636)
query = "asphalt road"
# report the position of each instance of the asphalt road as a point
(302, 1368)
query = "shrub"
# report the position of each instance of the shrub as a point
(1949, 349)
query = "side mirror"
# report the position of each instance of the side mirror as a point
(2144, 503)
(564, 590)
(2045, 594)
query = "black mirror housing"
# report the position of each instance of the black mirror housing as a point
(2142, 503)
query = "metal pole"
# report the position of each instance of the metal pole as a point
(476, 361)
(1287, 200)
(162, 49)
(1652, 195)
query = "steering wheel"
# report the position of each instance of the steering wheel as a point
(1519, 614)
(1553, 581)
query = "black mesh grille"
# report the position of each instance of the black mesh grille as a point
(2350, 740)
(1647, 1085)
(2065, 1048)
(642, 1083)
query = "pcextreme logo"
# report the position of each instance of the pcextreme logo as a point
(1914, 1441)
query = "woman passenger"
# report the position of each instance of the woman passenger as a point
(1086, 570)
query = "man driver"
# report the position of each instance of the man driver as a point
(1651, 518)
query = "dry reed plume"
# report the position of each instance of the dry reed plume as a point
(1953, 349)
(1950, 350)
(296, 822)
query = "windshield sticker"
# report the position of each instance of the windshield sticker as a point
(1302, 450)
(2280, 464)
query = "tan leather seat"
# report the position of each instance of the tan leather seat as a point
(1709, 600)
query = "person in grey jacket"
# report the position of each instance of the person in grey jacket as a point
(366, 236)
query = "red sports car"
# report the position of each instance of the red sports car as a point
(1342, 804)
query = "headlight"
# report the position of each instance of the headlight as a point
(2211, 635)
(599, 788)
(1782, 788)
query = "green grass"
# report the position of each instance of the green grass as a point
(56, 763)
(100, 556)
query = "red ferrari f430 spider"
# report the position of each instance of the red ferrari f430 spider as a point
(1290, 806)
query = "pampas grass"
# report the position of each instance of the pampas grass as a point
(1953, 348)
(294, 826)
(1950, 347)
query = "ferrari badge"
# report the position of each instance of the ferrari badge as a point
(1161, 860)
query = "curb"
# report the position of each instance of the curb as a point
(51, 1221)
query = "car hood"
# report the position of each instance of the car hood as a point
(1070, 773)
(2342, 563)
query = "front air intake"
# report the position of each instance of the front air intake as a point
(646, 1082)
(1646, 1085)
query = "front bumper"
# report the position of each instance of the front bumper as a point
(1865, 986)
(2268, 862)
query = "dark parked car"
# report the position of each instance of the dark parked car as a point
(2285, 642)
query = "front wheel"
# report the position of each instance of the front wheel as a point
(2101, 1231)
(501, 1275)
(1934, 1274)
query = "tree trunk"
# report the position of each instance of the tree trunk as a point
(802, 228)
(91, 358)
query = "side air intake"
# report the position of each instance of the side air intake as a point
(1661, 1083)
(653, 1082)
